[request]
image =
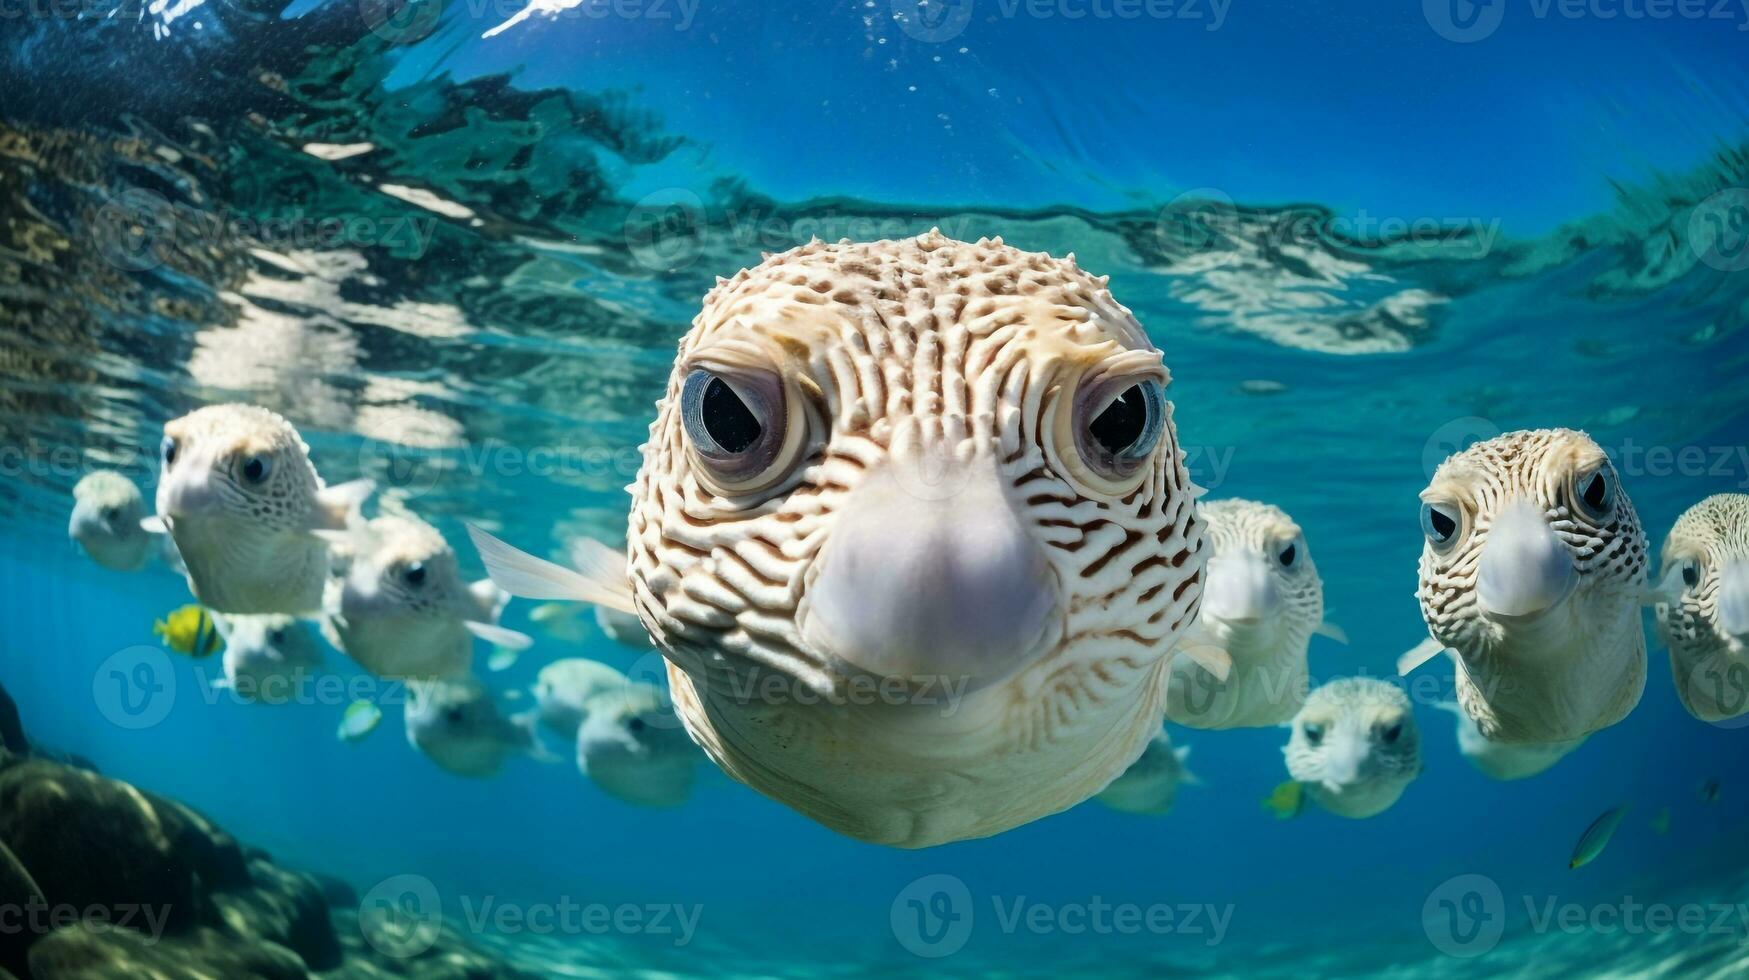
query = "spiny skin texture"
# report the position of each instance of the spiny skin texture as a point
(1711, 666)
(1268, 679)
(107, 508)
(1355, 746)
(396, 623)
(246, 545)
(938, 380)
(1579, 665)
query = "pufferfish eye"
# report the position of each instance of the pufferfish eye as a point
(1442, 523)
(414, 574)
(167, 449)
(736, 427)
(1390, 733)
(1594, 492)
(1288, 554)
(256, 469)
(1314, 732)
(1122, 435)
(1691, 572)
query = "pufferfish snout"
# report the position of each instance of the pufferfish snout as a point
(914, 533)
(932, 571)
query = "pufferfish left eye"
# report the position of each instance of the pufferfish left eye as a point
(738, 427)
(1122, 435)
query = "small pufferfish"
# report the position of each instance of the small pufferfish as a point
(1261, 603)
(1354, 747)
(1533, 571)
(1701, 606)
(248, 512)
(105, 523)
(402, 610)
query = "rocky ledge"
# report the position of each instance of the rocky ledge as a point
(100, 879)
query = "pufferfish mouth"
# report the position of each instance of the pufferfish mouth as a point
(938, 583)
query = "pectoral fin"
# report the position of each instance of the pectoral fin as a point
(601, 580)
(340, 506)
(1419, 654)
(1332, 631)
(496, 635)
(1210, 658)
(154, 525)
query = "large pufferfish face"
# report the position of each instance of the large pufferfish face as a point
(1522, 527)
(1703, 612)
(914, 532)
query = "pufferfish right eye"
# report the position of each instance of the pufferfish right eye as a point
(167, 449)
(737, 426)
(1117, 439)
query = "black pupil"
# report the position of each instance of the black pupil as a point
(169, 451)
(1392, 732)
(1287, 557)
(727, 418)
(1690, 575)
(1595, 492)
(637, 725)
(415, 574)
(1314, 734)
(1442, 525)
(1123, 421)
(453, 714)
(254, 469)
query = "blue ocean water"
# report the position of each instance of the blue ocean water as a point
(1362, 239)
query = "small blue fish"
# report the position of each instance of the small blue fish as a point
(1596, 837)
(360, 719)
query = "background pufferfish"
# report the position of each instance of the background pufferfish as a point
(914, 533)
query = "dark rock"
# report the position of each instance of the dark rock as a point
(92, 951)
(448, 958)
(17, 891)
(337, 892)
(282, 907)
(11, 728)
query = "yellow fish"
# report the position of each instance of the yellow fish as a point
(189, 630)
(1286, 801)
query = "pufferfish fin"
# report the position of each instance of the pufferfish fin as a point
(340, 506)
(499, 636)
(1185, 776)
(1332, 631)
(154, 524)
(1418, 654)
(601, 580)
(490, 599)
(1210, 658)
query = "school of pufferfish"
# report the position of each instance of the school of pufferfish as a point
(914, 536)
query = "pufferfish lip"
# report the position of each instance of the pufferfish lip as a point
(1733, 616)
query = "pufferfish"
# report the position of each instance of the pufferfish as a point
(247, 511)
(1354, 749)
(1533, 572)
(1149, 786)
(105, 523)
(914, 533)
(402, 610)
(1261, 603)
(1702, 606)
